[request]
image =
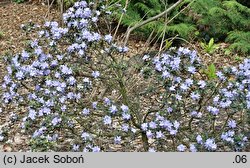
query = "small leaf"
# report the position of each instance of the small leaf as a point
(211, 72)
(197, 33)
(168, 44)
(211, 43)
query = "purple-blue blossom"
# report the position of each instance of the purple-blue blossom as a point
(144, 126)
(117, 140)
(124, 108)
(231, 123)
(85, 111)
(210, 144)
(108, 38)
(195, 96)
(201, 84)
(149, 134)
(181, 148)
(213, 110)
(96, 149)
(56, 121)
(199, 139)
(113, 109)
(192, 69)
(192, 148)
(95, 74)
(159, 135)
(65, 70)
(75, 147)
(107, 120)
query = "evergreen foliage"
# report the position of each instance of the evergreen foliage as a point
(229, 21)
(223, 20)
(140, 10)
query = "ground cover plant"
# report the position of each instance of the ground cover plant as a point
(80, 92)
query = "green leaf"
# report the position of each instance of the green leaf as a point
(168, 44)
(211, 72)
(211, 43)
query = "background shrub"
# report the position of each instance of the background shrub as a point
(222, 20)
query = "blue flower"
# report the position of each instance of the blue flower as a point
(213, 110)
(25, 55)
(192, 148)
(76, 147)
(231, 123)
(188, 82)
(87, 13)
(151, 150)
(178, 97)
(184, 87)
(149, 134)
(201, 84)
(38, 51)
(195, 96)
(144, 126)
(19, 75)
(54, 63)
(126, 116)
(113, 109)
(192, 69)
(152, 125)
(165, 74)
(65, 70)
(125, 127)
(85, 111)
(95, 74)
(107, 101)
(86, 136)
(1, 137)
(146, 57)
(94, 105)
(227, 137)
(124, 108)
(71, 80)
(159, 135)
(107, 120)
(117, 140)
(220, 75)
(199, 139)
(108, 38)
(210, 144)
(181, 148)
(96, 149)
(56, 120)
(32, 114)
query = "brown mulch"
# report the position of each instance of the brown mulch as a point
(13, 15)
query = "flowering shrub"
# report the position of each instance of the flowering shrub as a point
(81, 93)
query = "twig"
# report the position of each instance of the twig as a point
(149, 20)
(117, 27)
(165, 29)
(181, 11)
(49, 6)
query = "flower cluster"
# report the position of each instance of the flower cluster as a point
(195, 100)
